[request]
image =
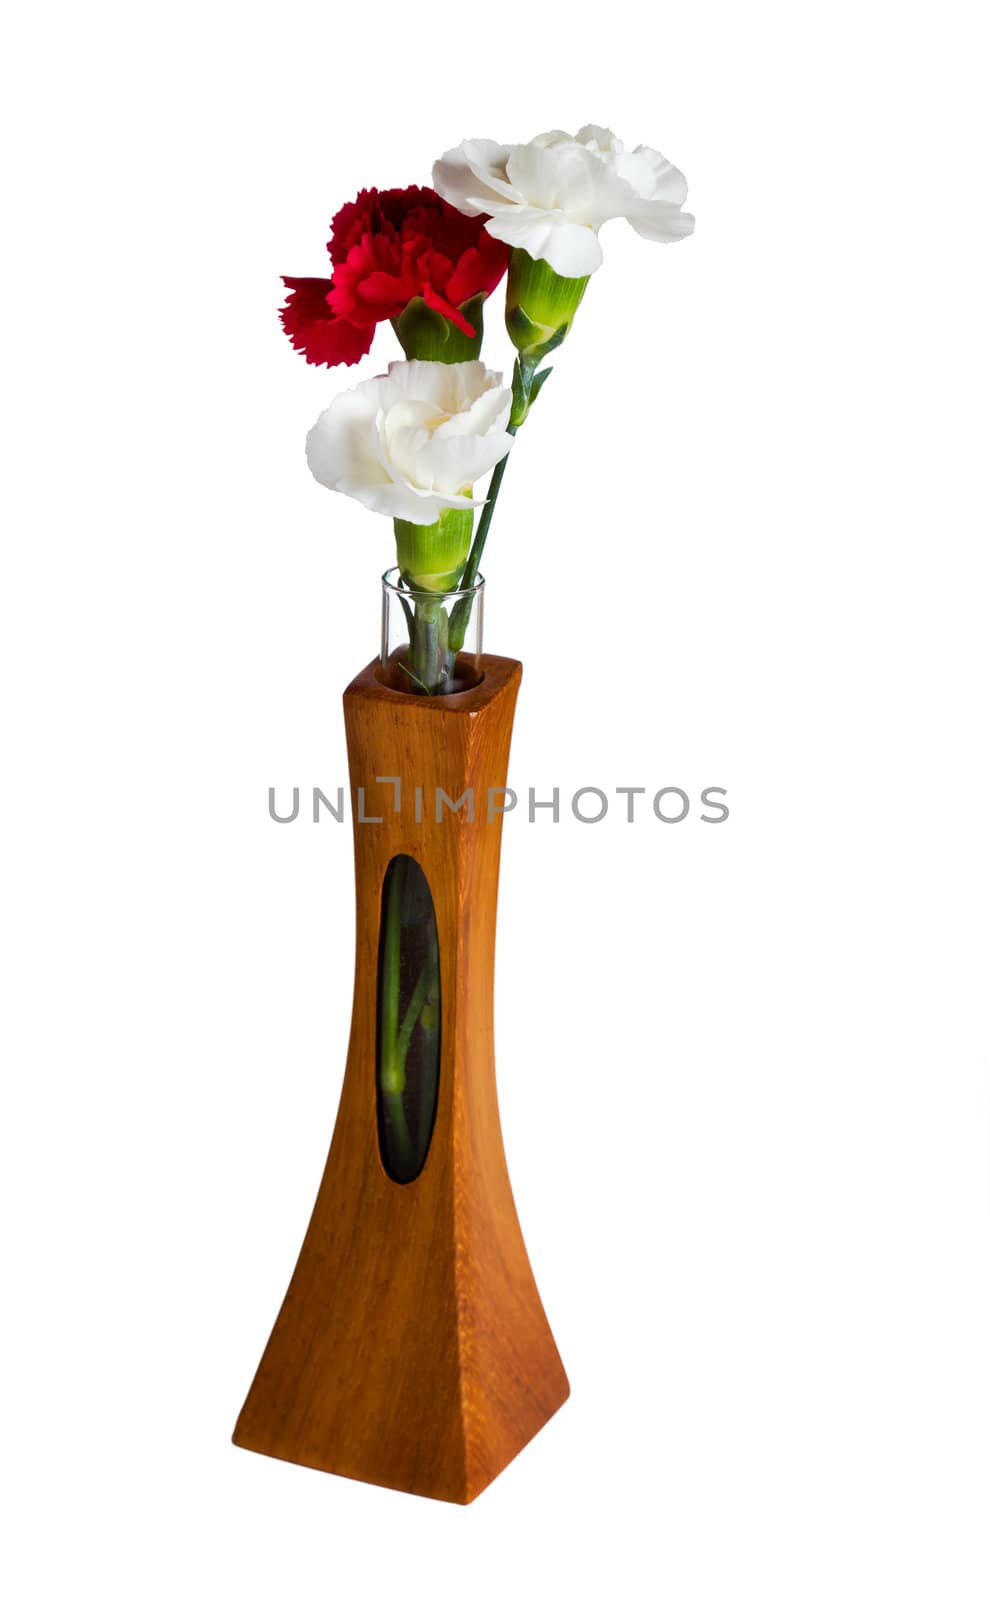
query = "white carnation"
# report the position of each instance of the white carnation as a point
(413, 443)
(551, 196)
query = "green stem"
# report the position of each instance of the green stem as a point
(484, 522)
(430, 1022)
(430, 658)
(461, 614)
(417, 1000)
(391, 1071)
(399, 1127)
(396, 1038)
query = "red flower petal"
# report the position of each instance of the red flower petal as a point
(466, 280)
(478, 270)
(324, 338)
(385, 289)
(436, 302)
(387, 247)
(374, 211)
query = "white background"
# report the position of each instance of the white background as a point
(743, 1069)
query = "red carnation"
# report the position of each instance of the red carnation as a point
(389, 247)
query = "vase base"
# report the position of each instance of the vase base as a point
(450, 1481)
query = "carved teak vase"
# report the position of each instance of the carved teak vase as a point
(412, 1349)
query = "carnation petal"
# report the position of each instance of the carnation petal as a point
(323, 337)
(490, 411)
(383, 289)
(651, 175)
(571, 250)
(402, 447)
(340, 444)
(424, 506)
(570, 181)
(551, 196)
(457, 462)
(468, 177)
(447, 387)
(389, 248)
(408, 443)
(555, 136)
(603, 139)
(552, 178)
(660, 221)
(478, 271)
(396, 500)
(438, 302)
(488, 161)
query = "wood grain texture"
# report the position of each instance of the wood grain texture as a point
(412, 1349)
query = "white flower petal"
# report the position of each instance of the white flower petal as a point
(555, 136)
(651, 175)
(402, 451)
(550, 197)
(398, 500)
(660, 221)
(456, 463)
(487, 161)
(340, 443)
(393, 500)
(447, 386)
(408, 444)
(489, 412)
(601, 139)
(561, 178)
(572, 250)
(473, 175)
(422, 381)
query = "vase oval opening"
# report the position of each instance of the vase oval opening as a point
(408, 1020)
(432, 639)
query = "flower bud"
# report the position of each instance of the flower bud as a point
(431, 556)
(539, 304)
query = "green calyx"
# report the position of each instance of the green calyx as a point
(539, 304)
(431, 556)
(427, 335)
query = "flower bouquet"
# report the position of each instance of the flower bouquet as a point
(412, 1349)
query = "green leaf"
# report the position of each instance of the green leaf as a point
(539, 379)
(526, 385)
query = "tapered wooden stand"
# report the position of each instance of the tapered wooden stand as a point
(412, 1349)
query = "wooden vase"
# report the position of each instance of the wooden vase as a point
(412, 1349)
